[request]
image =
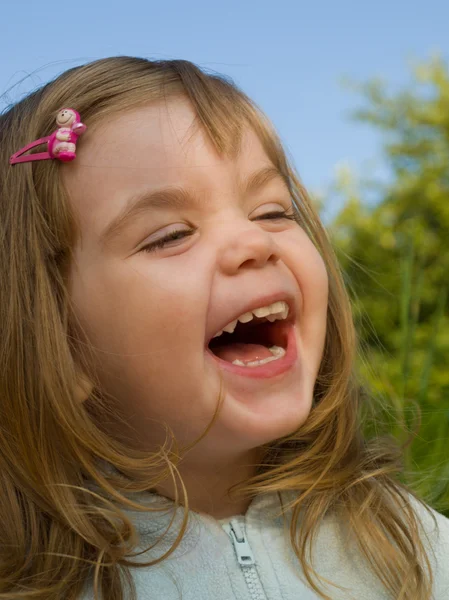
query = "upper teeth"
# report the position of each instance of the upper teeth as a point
(273, 312)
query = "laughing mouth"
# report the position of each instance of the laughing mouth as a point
(257, 342)
(257, 331)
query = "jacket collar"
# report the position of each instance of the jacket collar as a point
(263, 511)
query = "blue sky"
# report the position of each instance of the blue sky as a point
(289, 56)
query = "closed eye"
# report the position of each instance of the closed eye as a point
(180, 234)
(280, 214)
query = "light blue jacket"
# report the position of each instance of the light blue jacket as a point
(249, 557)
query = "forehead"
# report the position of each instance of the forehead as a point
(153, 146)
(153, 136)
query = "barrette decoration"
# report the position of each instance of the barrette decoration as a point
(61, 144)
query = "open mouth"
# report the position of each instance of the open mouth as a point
(254, 341)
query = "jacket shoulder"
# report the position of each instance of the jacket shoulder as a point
(435, 532)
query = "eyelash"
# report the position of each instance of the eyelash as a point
(173, 235)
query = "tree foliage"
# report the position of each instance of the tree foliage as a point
(395, 258)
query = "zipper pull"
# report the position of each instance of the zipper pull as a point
(242, 548)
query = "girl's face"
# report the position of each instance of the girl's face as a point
(151, 314)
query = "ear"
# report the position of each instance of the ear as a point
(83, 389)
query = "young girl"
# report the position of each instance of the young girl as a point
(158, 253)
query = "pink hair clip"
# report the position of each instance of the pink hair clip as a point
(61, 144)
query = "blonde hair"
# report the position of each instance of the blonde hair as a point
(54, 531)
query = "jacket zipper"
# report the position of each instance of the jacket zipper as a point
(246, 560)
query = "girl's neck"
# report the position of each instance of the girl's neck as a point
(208, 491)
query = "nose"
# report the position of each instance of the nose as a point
(247, 247)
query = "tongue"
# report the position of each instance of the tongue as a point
(243, 352)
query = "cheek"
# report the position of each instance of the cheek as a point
(308, 266)
(145, 329)
(125, 308)
(310, 272)
(315, 277)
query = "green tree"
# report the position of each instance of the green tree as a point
(395, 258)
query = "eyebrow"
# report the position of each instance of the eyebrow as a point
(177, 197)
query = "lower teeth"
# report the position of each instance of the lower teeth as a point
(277, 352)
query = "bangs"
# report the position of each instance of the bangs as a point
(225, 112)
